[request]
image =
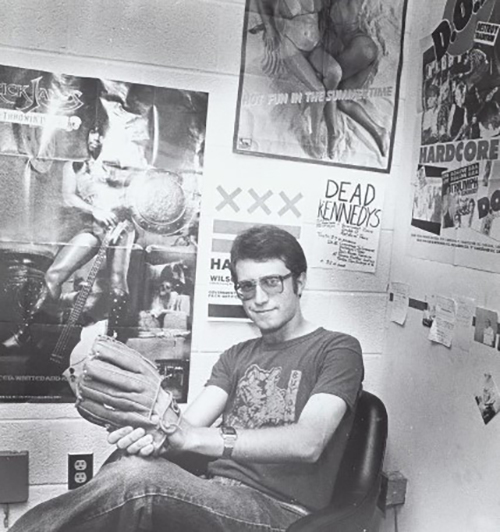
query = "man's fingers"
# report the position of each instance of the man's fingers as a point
(127, 438)
(141, 445)
(130, 439)
(118, 434)
(148, 450)
(134, 441)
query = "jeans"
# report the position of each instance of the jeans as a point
(134, 494)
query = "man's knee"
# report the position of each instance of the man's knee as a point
(138, 474)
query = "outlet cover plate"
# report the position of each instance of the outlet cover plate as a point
(80, 469)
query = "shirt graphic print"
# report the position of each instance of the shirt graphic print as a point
(260, 401)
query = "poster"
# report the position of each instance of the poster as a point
(319, 81)
(348, 224)
(100, 203)
(456, 206)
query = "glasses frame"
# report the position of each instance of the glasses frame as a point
(258, 281)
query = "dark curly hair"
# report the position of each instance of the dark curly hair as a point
(267, 242)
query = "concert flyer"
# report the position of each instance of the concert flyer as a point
(456, 205)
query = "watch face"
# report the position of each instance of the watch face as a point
(228, 431)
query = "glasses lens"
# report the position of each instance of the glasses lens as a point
(273, 284)
(245, 290)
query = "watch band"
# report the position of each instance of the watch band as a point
(229, 436)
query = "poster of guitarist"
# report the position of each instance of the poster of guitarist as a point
(86, 240)
(97, 190)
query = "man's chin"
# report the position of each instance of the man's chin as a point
(267, 326)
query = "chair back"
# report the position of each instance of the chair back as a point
(361, 465)
(357, 484)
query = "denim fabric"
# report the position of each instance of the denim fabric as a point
(133, 494)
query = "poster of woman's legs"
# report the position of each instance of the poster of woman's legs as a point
(320, 80)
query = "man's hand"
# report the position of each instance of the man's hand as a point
(105, 217)
(141, 442)
(134, 441)
(118, 388)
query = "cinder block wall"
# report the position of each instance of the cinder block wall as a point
(187, 44)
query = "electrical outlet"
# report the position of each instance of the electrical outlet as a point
(392, 490)
(80, 469)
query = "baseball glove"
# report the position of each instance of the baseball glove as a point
(119, 387)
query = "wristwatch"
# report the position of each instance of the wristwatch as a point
(229, 435)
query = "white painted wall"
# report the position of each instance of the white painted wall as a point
(436, 437)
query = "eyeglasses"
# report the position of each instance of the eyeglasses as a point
(271, 284)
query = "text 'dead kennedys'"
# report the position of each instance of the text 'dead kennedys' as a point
(348, 203)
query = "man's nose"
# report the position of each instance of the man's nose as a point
(261, 295)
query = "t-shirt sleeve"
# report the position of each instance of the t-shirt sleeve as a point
(342, 370)
(221, 372)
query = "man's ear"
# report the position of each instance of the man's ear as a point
(301, 283)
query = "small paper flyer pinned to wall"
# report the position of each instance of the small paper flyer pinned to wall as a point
(444, 321)
(462, 337)
(348, 225)
(400, 299)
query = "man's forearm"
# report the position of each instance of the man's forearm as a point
(288, 443)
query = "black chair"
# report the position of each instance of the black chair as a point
(357, 487)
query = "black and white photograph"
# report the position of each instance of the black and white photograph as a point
(486, 327)
(488, 399)
(249, 266)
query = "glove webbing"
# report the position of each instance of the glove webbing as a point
(167, 428)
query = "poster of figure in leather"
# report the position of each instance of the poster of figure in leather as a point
(100, 204)
(320, 80)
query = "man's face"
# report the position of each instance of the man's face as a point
(270, 312)
(94, 141)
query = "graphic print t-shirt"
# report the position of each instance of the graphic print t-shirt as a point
(269, 385)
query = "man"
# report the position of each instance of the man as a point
(97, 190)
(287, 401)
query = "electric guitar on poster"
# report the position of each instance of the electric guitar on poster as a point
(60, 355)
